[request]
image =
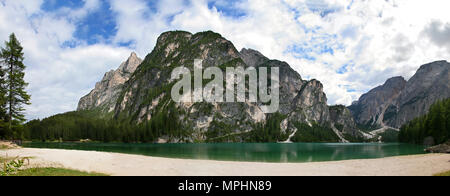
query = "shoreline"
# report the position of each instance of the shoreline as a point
(118, 164)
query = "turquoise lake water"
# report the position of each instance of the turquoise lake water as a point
(253, 152)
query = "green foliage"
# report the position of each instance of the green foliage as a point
(435, 124)
(338, 126)
(233, 64)
(220, 132)
(270, 131)
(3, 102)
(12, 167)
(314, 133)
(368, 127)
(443, 174)
(75, 126)
(71, 126)
(354, 139)
(389, 136)
(337, 108)
(12, 94)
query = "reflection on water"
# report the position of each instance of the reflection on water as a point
(267, 152)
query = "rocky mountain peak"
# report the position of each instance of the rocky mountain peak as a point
(252, 57)
(371, 107)
(172, 35)
(106, 92)
(395, 83)
(430, 84)
(130, 65)
(399, 101)
(433, 65)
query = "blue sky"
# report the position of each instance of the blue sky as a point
(350, 46)
(97, 26)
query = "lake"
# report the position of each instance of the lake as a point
(253, 152)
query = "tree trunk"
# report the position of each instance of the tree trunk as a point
(10, 93)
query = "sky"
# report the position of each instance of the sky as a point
(351, 46)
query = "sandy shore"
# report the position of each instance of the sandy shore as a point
(136, 165)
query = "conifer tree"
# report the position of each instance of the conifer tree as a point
(16, 97)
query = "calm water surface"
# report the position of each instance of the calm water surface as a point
(267, 152)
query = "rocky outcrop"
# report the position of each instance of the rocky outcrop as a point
(106, 92)
(398, 102)
(343, 121)
(301, 100)
(442, 148)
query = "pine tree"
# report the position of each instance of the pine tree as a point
(12, 58)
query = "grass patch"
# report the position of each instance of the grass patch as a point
(54, 172)
(447, 173)
(2, 147)
(10, 166)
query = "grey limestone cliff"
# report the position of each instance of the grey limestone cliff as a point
(106, 92)
(398, 101)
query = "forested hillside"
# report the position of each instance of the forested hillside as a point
(75, 126)
(433, 126)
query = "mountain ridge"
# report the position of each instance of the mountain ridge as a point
(145, 95)
(141, 95)
(401, 101)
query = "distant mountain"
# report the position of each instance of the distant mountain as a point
(398, 101)
(371, 107)
(139, 92)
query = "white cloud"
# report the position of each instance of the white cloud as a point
(58, 76)
(438, 33)
(350, 46)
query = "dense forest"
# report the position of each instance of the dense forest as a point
(314, 133)
(79, 125)
(433, 126)
(75, 126)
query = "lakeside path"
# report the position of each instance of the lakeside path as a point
(136, 165)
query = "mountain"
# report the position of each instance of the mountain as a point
(371, 107)
(134, 102)
(430, 84)
(140, 92)
(105, 94)
(398, 101)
